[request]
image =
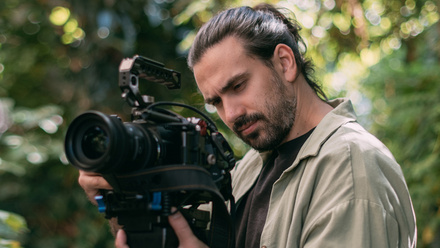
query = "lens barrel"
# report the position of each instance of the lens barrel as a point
(100, 143)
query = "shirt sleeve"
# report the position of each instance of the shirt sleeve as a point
(355, 223)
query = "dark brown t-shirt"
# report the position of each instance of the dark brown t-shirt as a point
(252, 210)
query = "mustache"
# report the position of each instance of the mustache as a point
(245, 119)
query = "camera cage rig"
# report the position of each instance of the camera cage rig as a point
(131, 69)
(138, 67)
(169, 181)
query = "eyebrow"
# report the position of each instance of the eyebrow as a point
(229, 84)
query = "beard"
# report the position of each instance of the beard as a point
(275, 121)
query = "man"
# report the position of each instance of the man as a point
(315, 177)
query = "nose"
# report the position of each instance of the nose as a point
(232, 109)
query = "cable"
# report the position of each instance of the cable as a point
(210, 123)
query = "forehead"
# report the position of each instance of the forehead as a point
(230, 49)
(221, 62)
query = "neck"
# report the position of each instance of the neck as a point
(310, 109)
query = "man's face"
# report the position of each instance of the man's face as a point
(251, 98)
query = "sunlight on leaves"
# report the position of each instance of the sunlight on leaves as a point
(59, 15)
(12, 226)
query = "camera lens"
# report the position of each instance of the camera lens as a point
(95, 142)
(104, 144)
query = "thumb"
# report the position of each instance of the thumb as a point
(183, 231)
(121, 239)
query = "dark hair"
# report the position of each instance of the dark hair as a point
(260, 29)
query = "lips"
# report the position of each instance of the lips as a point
(247, 128)
(245, 125)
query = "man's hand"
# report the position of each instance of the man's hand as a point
(183, 232)
(121, 239)
(91, 183)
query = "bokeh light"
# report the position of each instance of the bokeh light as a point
(59, 15)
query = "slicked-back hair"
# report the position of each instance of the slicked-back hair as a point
(260, 30)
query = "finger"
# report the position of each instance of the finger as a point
(183, 231)
(91, 180)
(180, 226)
(121, 239)
(92, 183)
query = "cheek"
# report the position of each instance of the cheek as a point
(260, 99)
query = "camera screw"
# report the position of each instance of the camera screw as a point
(211, 159)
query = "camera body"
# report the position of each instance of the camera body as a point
(157, 160)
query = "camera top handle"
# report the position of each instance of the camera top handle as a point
(131, 69)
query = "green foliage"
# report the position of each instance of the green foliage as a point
(12, 228)
(405, 96)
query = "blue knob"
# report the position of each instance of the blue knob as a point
(101, 203)
(157, 198)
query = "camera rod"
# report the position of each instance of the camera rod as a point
(131, 69)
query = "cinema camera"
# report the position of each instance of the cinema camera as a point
(158, 160)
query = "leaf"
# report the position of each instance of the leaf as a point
(12, 226)
(4, 243)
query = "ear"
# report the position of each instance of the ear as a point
(284, 59)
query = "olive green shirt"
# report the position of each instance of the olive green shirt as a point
(344, 189)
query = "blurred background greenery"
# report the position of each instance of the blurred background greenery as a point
(59, 58)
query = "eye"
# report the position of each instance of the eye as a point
(239, 86)
(215, 102)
